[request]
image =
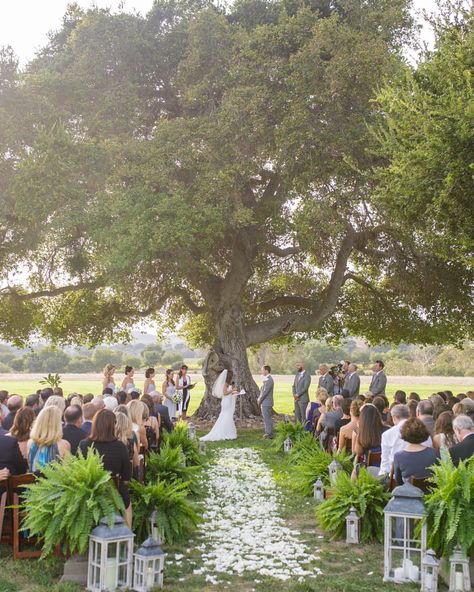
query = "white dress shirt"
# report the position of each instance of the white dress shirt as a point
(391, 444)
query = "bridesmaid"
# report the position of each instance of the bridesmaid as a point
(127, 383)
(168, 389)
(149, 385)
(108, 380)
(184, 384)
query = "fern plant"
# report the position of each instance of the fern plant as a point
(176, 516)
(180, 437)
(70, 499)
(284, 430)
(304, 446)
(169, 465)
(368, 497)
(450, 507)
(313, 463)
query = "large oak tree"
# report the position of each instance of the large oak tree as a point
(217, 170)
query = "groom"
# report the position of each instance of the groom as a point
(265, 400)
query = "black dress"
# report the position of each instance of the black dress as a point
(115, 459)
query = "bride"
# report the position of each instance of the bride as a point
(224, 428)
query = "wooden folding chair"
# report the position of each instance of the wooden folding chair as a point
(16, 484)
(3, 504)
(422, 483)
(374, 458)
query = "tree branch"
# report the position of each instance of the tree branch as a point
(50, 293)
(189, 302)
(285, 252)
(299, 301)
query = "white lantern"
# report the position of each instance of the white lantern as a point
(156, 533)
(404, 535)
(318, 490)
(149, 566)
(429, 572)
(192, 431)
(202, 447)
(287, 445)
(110, 556)
(459, 576)
(352, 527)
(287, 418)
(333, 469)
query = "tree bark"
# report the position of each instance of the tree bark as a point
(229, 352)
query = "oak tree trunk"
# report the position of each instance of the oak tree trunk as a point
(229, 352)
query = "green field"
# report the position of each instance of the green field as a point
(283, 399)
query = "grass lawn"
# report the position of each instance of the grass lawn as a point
(345, 568)
(283, 398)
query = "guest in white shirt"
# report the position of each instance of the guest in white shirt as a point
(392, 441)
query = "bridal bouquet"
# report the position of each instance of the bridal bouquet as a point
(177, 397)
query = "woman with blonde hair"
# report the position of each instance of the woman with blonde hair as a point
(56, 401)
(326, 408)
(124, 433)
(313, 410)
(135, 413)
(108, 380)
(46, 441)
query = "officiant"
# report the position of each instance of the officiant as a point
(184, 385)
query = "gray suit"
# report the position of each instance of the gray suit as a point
(378, 383)
(352, 384)
(265, 400)
(327, 382)
(300, 390)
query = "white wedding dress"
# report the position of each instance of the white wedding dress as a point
(224, 428)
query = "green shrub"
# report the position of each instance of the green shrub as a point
(450, 507)
(284, 430)
(305, 445)
(314, 463)
(176, 516)
(368, 497)
(169, 465)
(69, 501)
(179, 437)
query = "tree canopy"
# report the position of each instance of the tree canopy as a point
(219, 167)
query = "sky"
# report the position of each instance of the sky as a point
(24, 24)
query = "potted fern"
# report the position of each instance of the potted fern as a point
(179, 437)
(366, 494)
(295, 431)
(169, 465)
(313, 462)
(450, 511)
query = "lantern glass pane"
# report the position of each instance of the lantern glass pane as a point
(96, 576)
(111, 550)
(122, 575)
(123, 551)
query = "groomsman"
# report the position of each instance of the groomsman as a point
(379, 379)
(300, 392)
(352, 381)
(265, 400)
(325, 379)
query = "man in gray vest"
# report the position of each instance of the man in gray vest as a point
(300, 392)
(265, 400)
(326, 381)
(379, 379)
(352, 381)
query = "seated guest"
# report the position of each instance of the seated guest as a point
(452, 401)
(134, 395)
(162, 411)
(46, 441)
(88, 398)
(14, 403)
(381, 405)
(72, 431)
(88, 412)
(367, 436)
(114, 454)
(58, 392)
(11, 459)
(412, 406)
(3, 403)
(98, 402)
(438, 406)
(56, 401)
(107, 392)
(21, 428)
(124, 433)
(45, 394)
(346, 432)
(400, 397)
(76, 400)
(149, 403)
(416, 459)
(444, 437)
(328, 420)
(313, 409)
(123, 398)
(135, 412)
(464, 430)
(414, 397)
(424, 412)
(152, 429)
(392, 441)
(346, 415)
(110, 403)
(33, 402)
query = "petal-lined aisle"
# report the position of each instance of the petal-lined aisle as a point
(242, 529)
